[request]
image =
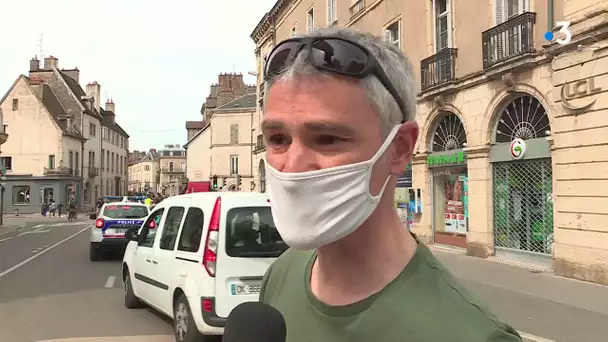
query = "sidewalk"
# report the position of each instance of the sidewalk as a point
(538, 303)
(13, 223)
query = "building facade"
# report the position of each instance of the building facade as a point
(509, 157)
(114, 151)
(49, 105)
(222, 145)
(172, 163)
(144, 173)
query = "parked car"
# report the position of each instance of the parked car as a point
(199, 255)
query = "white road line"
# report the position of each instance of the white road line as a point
(110, 282)
(38, 226)
(35, 256)
(6, 239)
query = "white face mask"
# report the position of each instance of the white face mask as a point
(315, 208)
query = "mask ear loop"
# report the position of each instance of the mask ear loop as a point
(385, 145)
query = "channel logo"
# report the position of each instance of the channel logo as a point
(564, 32)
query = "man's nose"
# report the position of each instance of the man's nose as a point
(299, 158)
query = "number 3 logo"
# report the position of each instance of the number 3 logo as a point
(565, 31)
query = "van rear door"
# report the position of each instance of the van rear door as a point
(249, 243)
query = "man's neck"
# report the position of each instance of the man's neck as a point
(364, 262)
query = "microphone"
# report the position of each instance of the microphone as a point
(255, 322)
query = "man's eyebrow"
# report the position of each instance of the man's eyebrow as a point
(272, 124)
(326, 126)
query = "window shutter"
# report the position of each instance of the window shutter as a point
(498, 15)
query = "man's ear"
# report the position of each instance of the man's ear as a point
(405, 141)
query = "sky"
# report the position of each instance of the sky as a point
(155, 59)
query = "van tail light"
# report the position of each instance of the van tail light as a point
(207, 304)
(99, 223)
(212, 240)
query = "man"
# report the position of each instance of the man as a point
(340, 127)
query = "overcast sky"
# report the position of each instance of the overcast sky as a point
(155, 59)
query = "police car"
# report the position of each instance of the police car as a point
(111, 223)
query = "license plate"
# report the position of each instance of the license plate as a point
(120, 231)
(245, 289)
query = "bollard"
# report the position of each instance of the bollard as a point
(16, 212)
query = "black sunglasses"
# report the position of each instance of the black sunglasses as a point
(333, 54)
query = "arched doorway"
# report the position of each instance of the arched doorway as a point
(262, 174)
(449, 182)
(522, 178)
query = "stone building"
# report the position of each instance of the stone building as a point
(511, 156)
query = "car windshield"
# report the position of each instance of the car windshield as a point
(126, 211)
(251, 233)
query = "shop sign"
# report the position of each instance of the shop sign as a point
(518, 148)
(446, 159)
(577, 90)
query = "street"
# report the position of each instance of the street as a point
(49, 290)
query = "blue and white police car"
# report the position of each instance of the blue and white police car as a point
(111, 223)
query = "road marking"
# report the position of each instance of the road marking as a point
(6, 239)
(110, 282)
(38, 226)
(35, 256)
(35, 231)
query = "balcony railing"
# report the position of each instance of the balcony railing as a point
(514, 37)
(93, 171)
(58, 171)
(259, 146)
(173, 169)
(438, 68)
(357, 7)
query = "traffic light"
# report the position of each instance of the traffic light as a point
(214, 183)
(238, 181)
(223, 182)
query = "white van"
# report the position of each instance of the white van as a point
(199, 255)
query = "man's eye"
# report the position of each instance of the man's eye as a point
(329, 140)
(278, 139)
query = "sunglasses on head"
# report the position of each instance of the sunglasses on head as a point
(333, 54)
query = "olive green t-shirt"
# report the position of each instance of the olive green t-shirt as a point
(425, 303)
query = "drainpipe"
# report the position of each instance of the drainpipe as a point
(550, 13)
(251, 147)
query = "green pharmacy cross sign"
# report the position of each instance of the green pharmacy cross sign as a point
(446, 159)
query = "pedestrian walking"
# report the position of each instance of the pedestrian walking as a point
(60, 208)
(44, 208)
(340, 128)
(53, 208)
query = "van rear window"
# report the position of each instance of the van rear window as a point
(251, 233)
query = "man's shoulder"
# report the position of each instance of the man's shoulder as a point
(453, 304)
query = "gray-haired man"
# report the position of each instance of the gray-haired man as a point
(339, 128)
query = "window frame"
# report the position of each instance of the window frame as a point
(26, 196)
(180, 246)
(388, 33)
(310, 19)
(332, 12)
(145, 228)
(234, 164)
(436, 17)
(163, 234)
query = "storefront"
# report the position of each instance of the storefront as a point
(404, 199)
(449, 183)
(522, 179)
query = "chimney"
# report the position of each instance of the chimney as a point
(51, 63)
(94, 91)
(34, 64)
(73, 73)
(110, 107)
(69, 123)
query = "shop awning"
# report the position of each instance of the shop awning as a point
(198, 187)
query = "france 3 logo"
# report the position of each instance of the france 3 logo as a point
(564, 33)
